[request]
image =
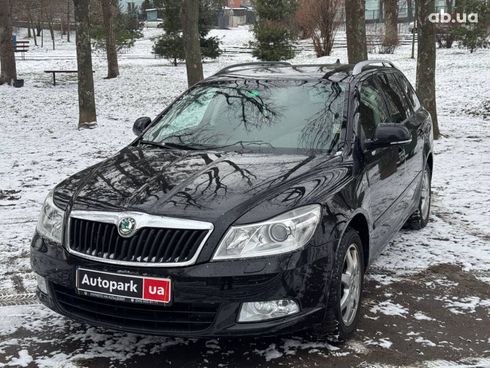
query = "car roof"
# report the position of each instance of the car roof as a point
(285, 71)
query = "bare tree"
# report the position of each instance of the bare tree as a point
(50, 10)
(30, 24)
(109, 9)
(22, 10)
(7, 57)
(319, 20)
(355, 24)
(390, 40)
(86, 95)
(192, 47)
(426, 60)
(39, 15)
(301, 20)
(68, 20)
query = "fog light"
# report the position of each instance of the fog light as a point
(260, 311)
(42, 284)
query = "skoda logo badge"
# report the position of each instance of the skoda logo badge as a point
(126, 226)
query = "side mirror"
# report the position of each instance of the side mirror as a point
(141, 124)
(389, 135)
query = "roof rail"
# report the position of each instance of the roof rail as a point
(257, 63)
(360, 65)
(315, 65)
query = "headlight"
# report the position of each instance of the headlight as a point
(50, 224)
(281, 234)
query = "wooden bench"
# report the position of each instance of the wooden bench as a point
(61, 71)
(22, 46)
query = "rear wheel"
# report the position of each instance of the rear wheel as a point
(420, 218)
(343, 308)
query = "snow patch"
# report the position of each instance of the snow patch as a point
(422, 317)
(383, 342)
(424, 342)
(466, 305)
(390, 309)
(23, 360)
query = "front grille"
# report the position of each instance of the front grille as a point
(185, 317)
(148, 245)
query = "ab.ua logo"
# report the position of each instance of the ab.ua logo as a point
(443, 17)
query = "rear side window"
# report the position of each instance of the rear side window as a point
(395, 99)
(372, 108)
(409, 92)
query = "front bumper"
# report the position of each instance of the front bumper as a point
(206, 297)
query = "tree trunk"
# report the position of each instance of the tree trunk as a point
(356, 30)
(109, 9)
(426, 60)
(68, 20)
(391, 23)
(34, 34)
(51, 32)
(192, 47)
(31, 26)
(8, 71)
(86, 95)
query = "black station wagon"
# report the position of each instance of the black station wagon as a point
(252, 205)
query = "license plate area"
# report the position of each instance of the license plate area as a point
(129, 288)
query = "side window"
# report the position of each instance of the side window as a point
(409, 92)
(372, 108)
(395, 99)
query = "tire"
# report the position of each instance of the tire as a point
(420, 218)
(339, 324)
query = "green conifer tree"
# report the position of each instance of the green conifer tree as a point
(274, 33)
(475, 32)
(171, 45)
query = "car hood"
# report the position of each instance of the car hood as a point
(200, 185)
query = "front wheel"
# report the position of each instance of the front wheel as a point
(420, 218)
(343, 309)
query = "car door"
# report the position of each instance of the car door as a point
(383, 166)
(418, 123)
(411, 153)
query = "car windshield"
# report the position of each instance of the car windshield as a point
(254, 115)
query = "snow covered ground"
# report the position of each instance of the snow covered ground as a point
(427, 299)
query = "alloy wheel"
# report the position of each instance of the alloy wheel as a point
(350, 285)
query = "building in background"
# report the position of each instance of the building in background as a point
(130, 4)
(240, 12)
(236, 13)
(234, 3)
(406, 9)
(154, 15)
(239, 4)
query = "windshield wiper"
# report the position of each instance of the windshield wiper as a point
(171, 145)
